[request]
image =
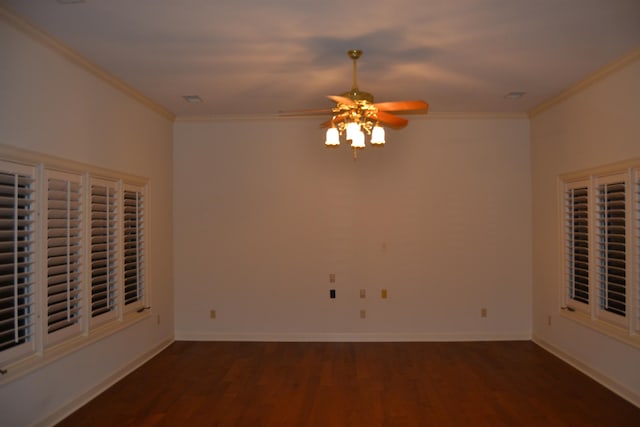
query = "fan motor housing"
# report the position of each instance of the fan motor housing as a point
(358, 95)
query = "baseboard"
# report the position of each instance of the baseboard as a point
(77, 403)
(619, 389)
(351, 337)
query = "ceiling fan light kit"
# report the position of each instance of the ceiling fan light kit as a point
(355, 115)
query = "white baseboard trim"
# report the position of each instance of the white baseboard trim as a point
(350, 337)
(619, 389)
(57, 416)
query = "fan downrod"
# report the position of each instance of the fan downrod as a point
(355, 93)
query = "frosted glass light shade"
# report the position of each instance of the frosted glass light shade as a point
(377, 135)
(333, 137)
(358, 140)
(352, 129)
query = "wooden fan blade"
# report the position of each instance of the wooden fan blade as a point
(393, 121)
(341, 99)
(418, 106)
(311, 112)
(327, 124)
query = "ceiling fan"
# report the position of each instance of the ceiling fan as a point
(355, 114)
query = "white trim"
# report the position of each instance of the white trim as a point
(45, 39)
(619, 389)
(350, 336)
(42, 358)
(607, 328)
(618, 327)
(14, 154)
(216, 118)
(585, 83)
(49, 350)
(77, 402)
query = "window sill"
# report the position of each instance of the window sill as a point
(49, 355)
(604, 328)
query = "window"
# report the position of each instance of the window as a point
(63, 255)
(637, 246)
(133, 246)
(601, 255)
(72, 256)
(611, 249)
(577, 243)
(17, 262)
(104, 251)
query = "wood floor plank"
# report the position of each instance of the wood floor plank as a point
(356, 384)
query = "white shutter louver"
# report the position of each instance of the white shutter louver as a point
(577, 243)
(133, 245)
(637, 216)
(64, 252)
(611, 248)
(104, 243)
(17, 299)
(72, 256)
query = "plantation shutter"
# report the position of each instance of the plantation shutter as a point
(637, 247)
(17, 288)
(64, 254)
(576, 212)
(134, 245)
(104, 255)
(611, 250)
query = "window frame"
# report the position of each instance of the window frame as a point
(28, 347)
(603, 286)
(42, 348)
(139, 256)
(624, 327)
(568, 249)
(111, 274)
(73, 255)
(635, 239)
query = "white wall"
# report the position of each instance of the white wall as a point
(440, 217)
(596, 127)
(50, 105)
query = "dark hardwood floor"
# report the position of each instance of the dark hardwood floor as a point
(356, 384)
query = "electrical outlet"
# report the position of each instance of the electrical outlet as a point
(332, 293)
(363, 314)
(383, 294)
(363, 293)
(483, 312)
(212, 314)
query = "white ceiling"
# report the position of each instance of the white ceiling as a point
(252, 57)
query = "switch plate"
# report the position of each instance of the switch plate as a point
(363, 293)
(363, 314)
(483, 312)
(383, 294)
(212, 314)
(332, 278)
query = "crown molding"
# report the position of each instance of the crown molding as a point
(49, 41)
(476, 116)
(272, 116)
(231, 118)
(619, 64)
